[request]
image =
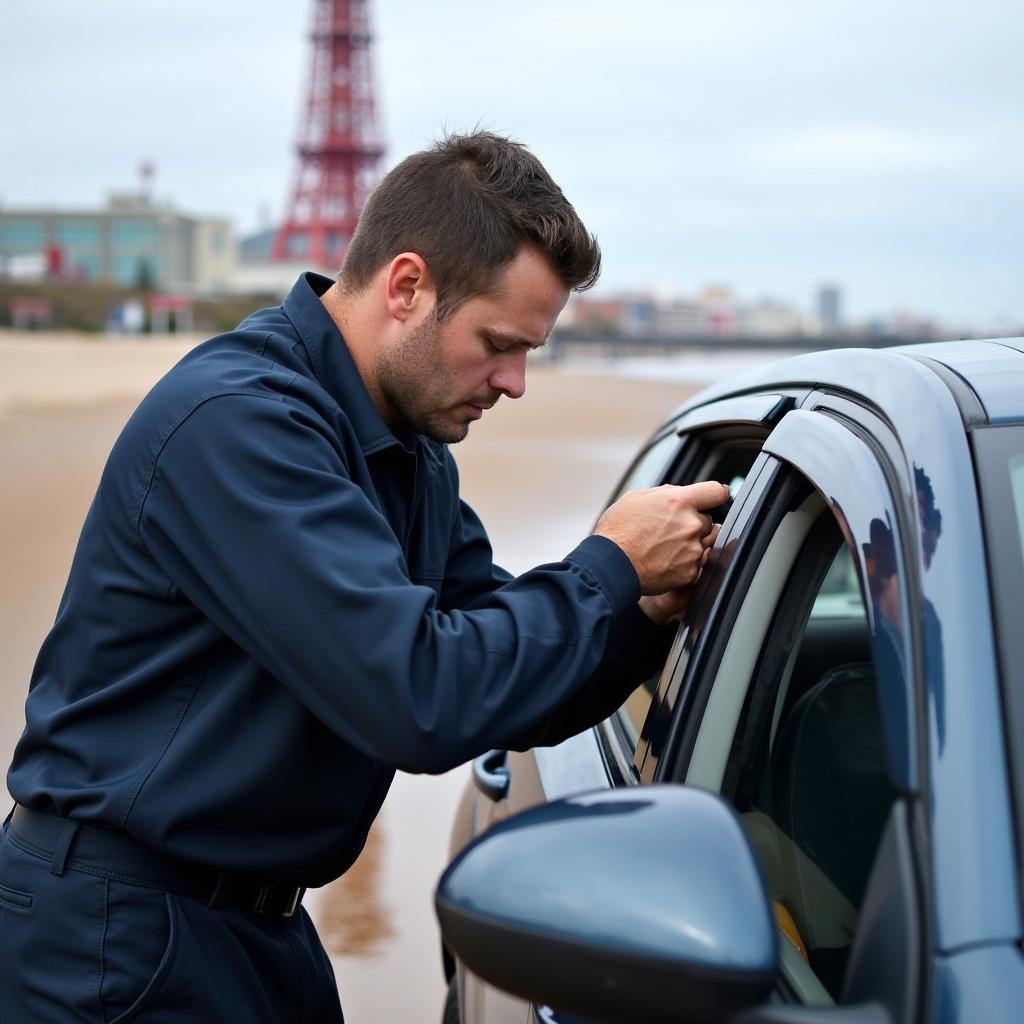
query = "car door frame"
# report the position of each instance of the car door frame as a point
(748, 417)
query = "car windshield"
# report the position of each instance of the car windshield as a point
(999, 452)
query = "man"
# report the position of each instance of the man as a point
(278, 600)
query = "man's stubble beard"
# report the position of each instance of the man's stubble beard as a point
(415, 382)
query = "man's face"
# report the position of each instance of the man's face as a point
(441, 375)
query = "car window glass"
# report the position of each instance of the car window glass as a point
(793, 737)
(839, 596)
(649, 469)
(728, 463)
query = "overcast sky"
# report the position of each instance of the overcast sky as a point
(771, 145)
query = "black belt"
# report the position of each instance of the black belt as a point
(68, 843)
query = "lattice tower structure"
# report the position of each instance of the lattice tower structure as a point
(339, 147)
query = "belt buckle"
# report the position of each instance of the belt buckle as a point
(265, 895)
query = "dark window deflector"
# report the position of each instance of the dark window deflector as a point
(841, 465)
(755, 410)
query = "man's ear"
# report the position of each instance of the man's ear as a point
(408, 291)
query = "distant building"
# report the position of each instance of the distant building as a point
(828, 308)
(639, 315)
(715, 313)
(719, 315)
(131, 242)
(907, 324)
(678, 318)
(257, 274)
(255, 248)
(767, 318)
(586, 313)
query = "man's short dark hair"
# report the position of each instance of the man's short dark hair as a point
(466, 206)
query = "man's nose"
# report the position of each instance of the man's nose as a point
(510, 375)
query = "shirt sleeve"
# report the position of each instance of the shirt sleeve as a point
(252, 514)
(636, 647)
(470, 575)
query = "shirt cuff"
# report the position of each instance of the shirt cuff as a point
(605, 565)
(639, 644)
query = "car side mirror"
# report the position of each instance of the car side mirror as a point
(644, 904)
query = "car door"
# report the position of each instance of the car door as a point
(792, 694)
(720, 440)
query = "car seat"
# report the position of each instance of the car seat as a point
(831, 797)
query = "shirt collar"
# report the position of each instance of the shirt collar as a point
(336, 371)
(333, 363)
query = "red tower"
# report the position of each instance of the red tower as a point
(339, 149)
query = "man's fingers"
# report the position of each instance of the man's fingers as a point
(707, 494)
(664, 608)
(664, 530)
(708, 540)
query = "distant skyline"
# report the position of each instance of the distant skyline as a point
(769, 147)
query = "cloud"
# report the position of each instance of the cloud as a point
(749, 138)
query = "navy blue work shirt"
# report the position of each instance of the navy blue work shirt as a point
(276, 601)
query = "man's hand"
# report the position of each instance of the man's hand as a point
(664, 532)
(663, 608)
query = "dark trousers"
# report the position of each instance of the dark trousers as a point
(78, 946)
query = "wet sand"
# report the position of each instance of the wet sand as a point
(536, 470)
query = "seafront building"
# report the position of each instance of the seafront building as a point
(715, 313)
(131, 242)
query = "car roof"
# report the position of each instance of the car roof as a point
(994, 370)
(986, 377)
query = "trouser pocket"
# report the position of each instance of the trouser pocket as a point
(139, 941)
(14, 900)
(76, 947)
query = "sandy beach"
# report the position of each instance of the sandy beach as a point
(536, 470)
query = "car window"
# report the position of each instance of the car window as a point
(839, 596)
(792, 735)
(727, 460)
(650, 468)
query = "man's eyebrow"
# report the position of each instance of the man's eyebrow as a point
(515, 339)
